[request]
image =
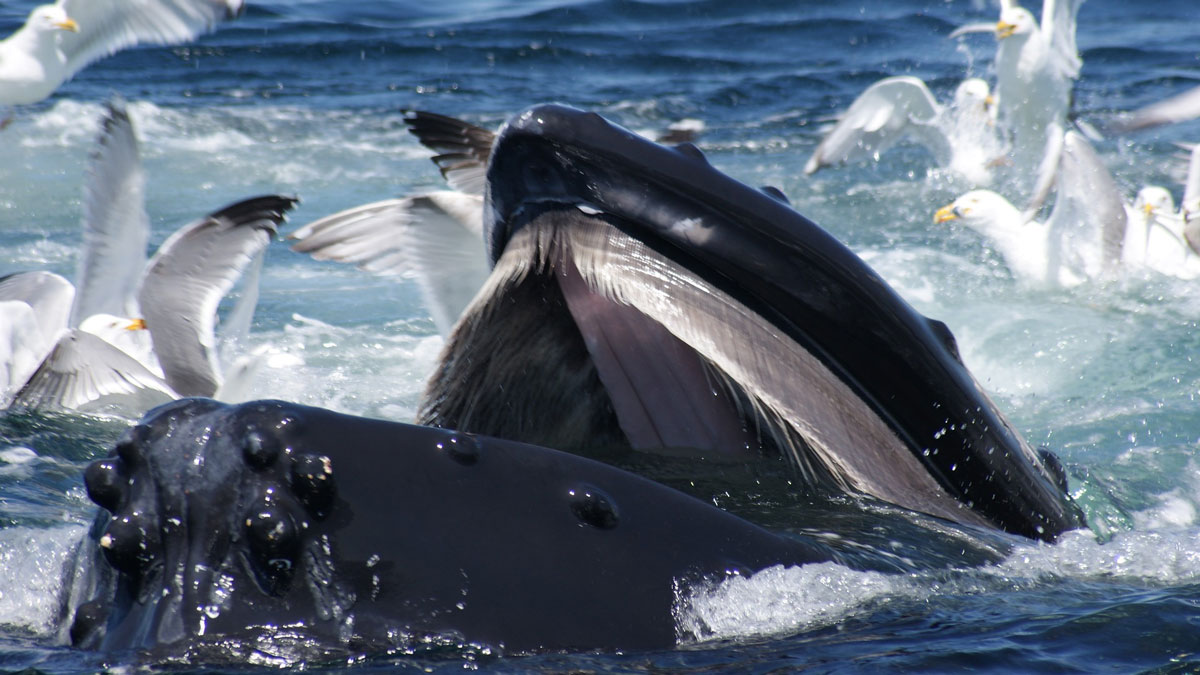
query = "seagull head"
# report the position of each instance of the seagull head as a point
(1015, 21)
(979, 209)
(1154, 199)
(973, 92)
(110, 327)
(51, 18)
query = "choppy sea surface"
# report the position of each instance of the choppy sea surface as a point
(305, 98)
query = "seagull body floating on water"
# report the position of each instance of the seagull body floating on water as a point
(92, 359)
(1036, 66)
(59, 40)
(961, 136)
(1090, 233)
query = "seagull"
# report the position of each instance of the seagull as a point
(34, 308)
(961, 136)
(1088, 234)
(34, 330)
(94, 362)
(435, 238)
(58, 40)
(1036, 66)
(1151, 215)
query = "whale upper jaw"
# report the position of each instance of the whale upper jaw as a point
(744, 320)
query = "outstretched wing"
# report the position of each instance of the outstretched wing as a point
(1088, 221)
(116, 228)
(48, 294)
(434, 238)
(1189, 210)
(82, 370)
(462, 148)
(1058, 25)
(186, 279)
(1191, 186)
(107, 26)
(1178, 108)
(889, 110)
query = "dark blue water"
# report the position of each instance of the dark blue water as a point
(305, 97)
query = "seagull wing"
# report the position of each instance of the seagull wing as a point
(1191, 187)
(186, 279)
(236, 325)
(1047, 172)
(83, 369)
(1088, 220)
(48, 294)
(1058, 25)
(984, 27)
(434, 238)
(107, 26)
(22, 345)
(886, 112)
(1178, 108)
(462, 148)
(116, 228)
(1189, 210)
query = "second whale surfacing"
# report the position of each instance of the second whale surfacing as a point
(639, 299)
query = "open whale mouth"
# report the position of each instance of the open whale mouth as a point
(588, 337)
(640, 298)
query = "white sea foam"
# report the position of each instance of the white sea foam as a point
(358, 370)
(31, 575)
(780, 600)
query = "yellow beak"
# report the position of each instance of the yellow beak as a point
(1148, 209)
(69, 24)
(1004, 29)
(944, 214)
(136, 324)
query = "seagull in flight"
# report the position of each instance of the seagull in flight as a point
(59, 40)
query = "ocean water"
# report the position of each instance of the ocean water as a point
(305, 98)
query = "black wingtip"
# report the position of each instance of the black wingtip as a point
(459, 144)
(116, 117)
(445, 134)
(269, 208)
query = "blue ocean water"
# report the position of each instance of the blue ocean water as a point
(305, 97)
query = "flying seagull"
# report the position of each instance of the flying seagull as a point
(58, 40)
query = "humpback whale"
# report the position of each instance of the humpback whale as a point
(641, 296)
(639, 299)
